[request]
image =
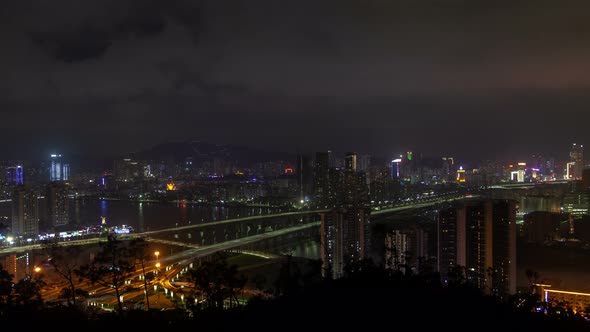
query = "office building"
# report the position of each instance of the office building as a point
(58, 169)
(395, 168)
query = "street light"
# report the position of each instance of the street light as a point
(158, 265)
(37, 269)
(157, 253)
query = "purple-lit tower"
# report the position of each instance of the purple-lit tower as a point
(14, 175)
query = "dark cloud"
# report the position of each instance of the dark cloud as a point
(449, 76)
(82, 44)
(88, 37)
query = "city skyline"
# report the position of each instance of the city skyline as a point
(379, 77)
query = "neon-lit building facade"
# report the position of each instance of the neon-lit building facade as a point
(58, 170)
(395, 168)
(14, 175)
(461, 176)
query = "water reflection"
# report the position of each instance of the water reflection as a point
(141, 227)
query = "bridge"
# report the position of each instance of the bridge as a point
(527, 185)
(233, 233)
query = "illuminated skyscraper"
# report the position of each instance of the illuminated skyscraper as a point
(14, 175)
(461, 175)
(577, 158)
(58, 170)
(395, 168)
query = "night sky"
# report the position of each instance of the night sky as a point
(471, 79)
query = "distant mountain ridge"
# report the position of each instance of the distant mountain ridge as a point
(204, 151)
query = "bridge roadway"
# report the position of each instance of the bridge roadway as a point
(198, 252)
(234, 220)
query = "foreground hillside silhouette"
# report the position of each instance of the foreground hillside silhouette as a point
(366, 297)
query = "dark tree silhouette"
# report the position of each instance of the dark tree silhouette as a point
(65, 263)
(6, 298)
(218, 281)
(139, 249)
(111, 267)
(28, 293)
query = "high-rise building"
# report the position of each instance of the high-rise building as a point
(321, 177)
(345, 235)
(334, 187)
(406, 248)
(503, 273)
(304, 171)
(448, 243)
(585, 179)
(25, 212)
(478, 240)
(577, 204)
(461, 175)
(58, 170)
(127, 169)
(544, 226)
(577, 158)
(395, 168)
(448, 167)
(58, 203)
(350, 164)
(397, 245)
(364, 162)
(14, 175)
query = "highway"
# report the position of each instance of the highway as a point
(173, 265)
